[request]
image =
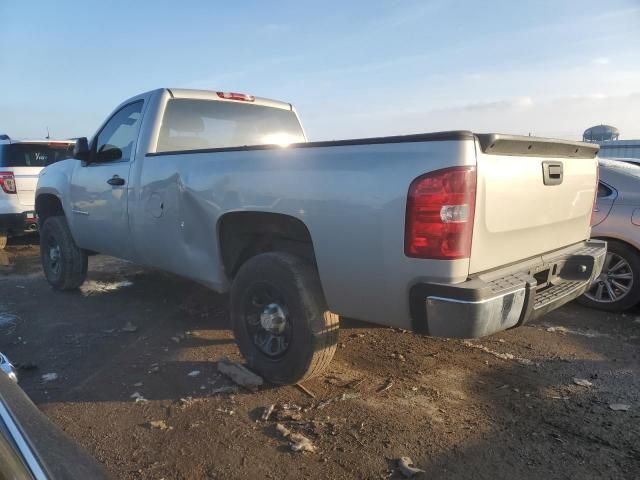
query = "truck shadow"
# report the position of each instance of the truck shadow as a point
(534, 421)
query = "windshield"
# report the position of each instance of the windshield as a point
(194, 124)
(34, 154)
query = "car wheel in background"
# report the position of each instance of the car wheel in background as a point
(617, 288)
(63, 262)
(280, 318)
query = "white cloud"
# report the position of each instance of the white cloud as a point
(562, 117)
(601, 61)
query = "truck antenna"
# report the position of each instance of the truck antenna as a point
(48, 136)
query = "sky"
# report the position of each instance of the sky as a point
(352, 68)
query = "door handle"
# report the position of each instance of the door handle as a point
(116, 181)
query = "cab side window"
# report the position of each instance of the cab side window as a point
(116, 140)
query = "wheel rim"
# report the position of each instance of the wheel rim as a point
(615, 281)
(53, 255)
(267, 320)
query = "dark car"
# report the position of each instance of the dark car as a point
(31, 447)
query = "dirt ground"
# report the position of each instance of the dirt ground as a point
(505, 406)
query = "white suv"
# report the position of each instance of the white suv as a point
(20, 165)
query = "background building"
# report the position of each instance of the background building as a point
(610, 145)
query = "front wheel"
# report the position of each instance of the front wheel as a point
(280, 319)
(63, 262)
(617, 288)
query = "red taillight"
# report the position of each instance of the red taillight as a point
(236, 96)
(7, 182)
(440, 210)
(594, 210)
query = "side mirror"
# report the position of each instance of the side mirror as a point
(81, 149)
(109, 154)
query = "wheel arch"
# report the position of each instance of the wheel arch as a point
(48, 205)
(613, 238)
(244, 234)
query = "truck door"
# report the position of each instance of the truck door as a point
(100, 188)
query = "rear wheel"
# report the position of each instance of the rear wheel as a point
(63, 262)
(280, 319)
(617, 288)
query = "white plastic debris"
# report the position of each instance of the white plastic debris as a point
(267, 412)
(405, 464)
(583, 382)
(138, 398)
(49, 377)
(193, 373)
(619, 407)
(297, 441)
(129, 328)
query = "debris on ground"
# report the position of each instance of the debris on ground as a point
(297, 441)
(289, 415)
(305, 390)
(138, 384)
(159, 424)
(186, 402)
(386, 386)
(138, 398)
(240, 374)
(405, 464)
(267, 412)
(583, 333)
(49, 377)
(354, 383)
(193, 373)
(339, 398)
(619, 407)
(91, 287)
(583, 382)
(225, 389)
(129, 328)
(503, 356)
(398, 356)
(228, 411)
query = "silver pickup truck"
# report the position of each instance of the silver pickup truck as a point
(450, 234)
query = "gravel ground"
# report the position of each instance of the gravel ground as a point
(505, 406)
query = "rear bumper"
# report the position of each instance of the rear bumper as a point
(508, 297)
(18, 223)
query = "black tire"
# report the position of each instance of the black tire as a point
(3, 240)
(631, 256)
(310, 331)
(68, 270)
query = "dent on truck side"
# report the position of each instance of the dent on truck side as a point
(350, 199)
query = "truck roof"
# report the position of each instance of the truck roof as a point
(218, 96)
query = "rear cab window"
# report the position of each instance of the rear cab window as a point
(34, 154)
(191, 124)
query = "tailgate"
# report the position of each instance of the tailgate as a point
(26, 182)
(534, 195)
